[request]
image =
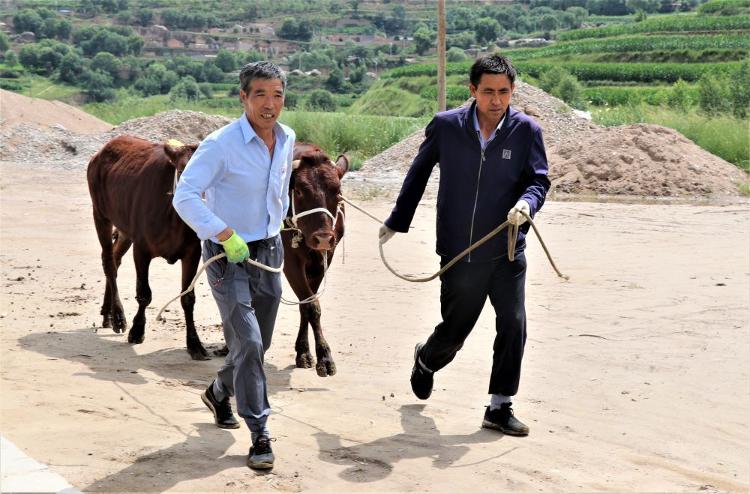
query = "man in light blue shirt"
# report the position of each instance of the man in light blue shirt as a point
(243, 170)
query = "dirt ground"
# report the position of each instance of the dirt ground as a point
(636, 374)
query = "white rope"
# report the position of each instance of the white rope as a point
(512, 237)
(203, 268)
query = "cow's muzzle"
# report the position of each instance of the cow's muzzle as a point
(323, 241)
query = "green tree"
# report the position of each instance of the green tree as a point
(211, 73)
(186, 89)
(288, 29)
(335, 81)
(424, 39)
(551, 78)
(548, 22)
(4, 43)
(107, 63)
(225, 61)
(320, 99)
(28, 20)
(679, 96)
(713, 94)
(144, 17)
(98, 86)
(487, 30)
(11, 59)
(455, 54)
(71, 69)
(569, 90)
(740, 94)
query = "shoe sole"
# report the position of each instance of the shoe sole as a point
(486, 424)
(260, 466)
(210, 406)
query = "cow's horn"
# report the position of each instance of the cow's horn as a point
(174, 143)
(295, 164)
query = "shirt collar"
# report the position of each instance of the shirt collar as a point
(248, 133)
(476, 120)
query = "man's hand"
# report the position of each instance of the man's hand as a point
(235, 248)
(515, 216)
(385, 234)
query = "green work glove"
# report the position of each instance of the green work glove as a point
(235, 248)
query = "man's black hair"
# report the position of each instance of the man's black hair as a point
(492, 64)
(260, 70)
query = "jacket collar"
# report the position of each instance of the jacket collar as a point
(467, 119)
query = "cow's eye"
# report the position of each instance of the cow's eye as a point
(297, 192)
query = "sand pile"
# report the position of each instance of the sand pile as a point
(642, 160)
(16, 109)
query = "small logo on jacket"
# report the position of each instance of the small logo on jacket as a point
(506, 154)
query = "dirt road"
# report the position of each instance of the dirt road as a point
(635, 379)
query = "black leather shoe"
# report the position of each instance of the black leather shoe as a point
(421, 379)
(503, 420)
(222, 410)
(261, 456)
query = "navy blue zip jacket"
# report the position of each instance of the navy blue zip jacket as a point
(477, 188)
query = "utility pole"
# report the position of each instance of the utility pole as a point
(441, 55)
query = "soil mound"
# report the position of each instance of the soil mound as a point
(642, 160)
(16, 108)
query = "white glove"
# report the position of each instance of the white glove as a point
(515, 216)
(385, 234)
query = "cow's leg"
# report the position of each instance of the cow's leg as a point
(325, 365)
(294, 269)
(189, 267)
(304, 359)
(112, 311)
(142, 258)
(121, 244)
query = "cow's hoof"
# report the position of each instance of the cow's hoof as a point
(325, 367)
(119, 323)
(198, 353)
(136, 338)
(221, 352)
(304, 360)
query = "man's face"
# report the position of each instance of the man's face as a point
(263, 102)
(493, 95)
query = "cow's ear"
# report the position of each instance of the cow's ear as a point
(295, 164)
(173, 153)
(342, 165)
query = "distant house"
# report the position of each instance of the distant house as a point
(175, 43)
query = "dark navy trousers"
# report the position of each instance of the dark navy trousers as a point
(463, 292)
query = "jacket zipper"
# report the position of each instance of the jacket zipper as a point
(476, 198)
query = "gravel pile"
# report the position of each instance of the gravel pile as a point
(55, 146)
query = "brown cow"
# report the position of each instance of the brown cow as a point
(130, 182)
(315, 182)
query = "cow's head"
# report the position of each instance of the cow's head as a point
(316, 183)
(179, 154)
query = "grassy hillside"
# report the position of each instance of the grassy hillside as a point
(661, 70)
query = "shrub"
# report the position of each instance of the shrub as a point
(186, 89)
(320, 99)
(679, 96)
(713, 94)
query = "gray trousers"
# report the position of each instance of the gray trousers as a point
(248, 299)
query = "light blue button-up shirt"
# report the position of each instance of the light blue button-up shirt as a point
(482, 140)
(244, 188)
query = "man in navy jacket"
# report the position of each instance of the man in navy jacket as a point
(493, 166)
